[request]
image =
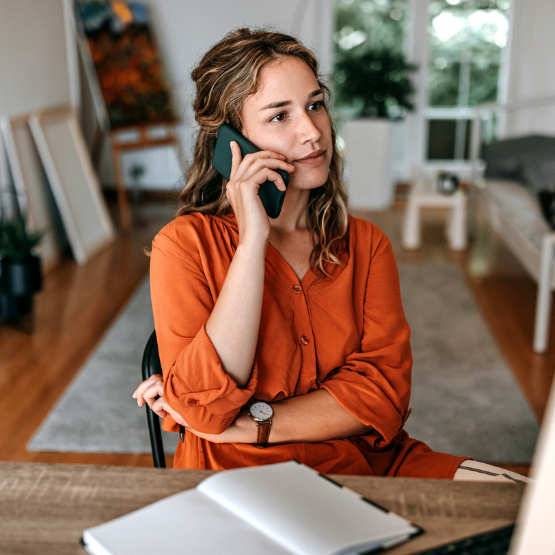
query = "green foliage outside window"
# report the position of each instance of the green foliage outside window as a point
(374, 83)
(371, 75)
(467, 38)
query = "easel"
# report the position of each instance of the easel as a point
(136, 137)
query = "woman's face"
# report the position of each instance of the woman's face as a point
(287, 115)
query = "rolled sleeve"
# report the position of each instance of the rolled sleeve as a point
(374, 383)
(206, 396)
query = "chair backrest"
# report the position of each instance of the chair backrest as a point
(151, 365)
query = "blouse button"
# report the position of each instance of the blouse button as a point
(304, 340)
(192, 402)
(297, 289)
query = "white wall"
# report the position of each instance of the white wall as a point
(185, 29)
(33, 60)
(531, 87)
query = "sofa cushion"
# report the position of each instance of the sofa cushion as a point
(530, 161)
(521, 207)
(539, 175)
(506, 159)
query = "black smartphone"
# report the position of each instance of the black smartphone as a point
(270, 195)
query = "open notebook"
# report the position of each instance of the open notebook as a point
(275, 509)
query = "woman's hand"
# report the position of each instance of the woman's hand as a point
(247, 174)
(151, 392)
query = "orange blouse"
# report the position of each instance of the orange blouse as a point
(346, 333)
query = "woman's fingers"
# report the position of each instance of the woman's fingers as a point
(246, 177)
(143, 386)
(161, 408)
(243, 168)
(158, 408)
(259, 163)
(236, 158)
(266, 174)
(252, 181)
(151, 392)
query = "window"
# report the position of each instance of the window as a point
(466, 41)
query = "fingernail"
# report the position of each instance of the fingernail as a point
(231, 144)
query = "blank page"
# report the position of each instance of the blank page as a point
(303, 511)
(187, 522)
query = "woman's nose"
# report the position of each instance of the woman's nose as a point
(307, 130)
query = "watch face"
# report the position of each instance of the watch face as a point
(261, 411)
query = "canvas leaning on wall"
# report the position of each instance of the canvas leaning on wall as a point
(73, 181)
(34, 198)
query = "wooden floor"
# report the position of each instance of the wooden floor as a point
(78, 305)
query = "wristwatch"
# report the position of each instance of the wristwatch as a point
(262, 414)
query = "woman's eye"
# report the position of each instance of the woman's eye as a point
(279, 117)
(316, 105)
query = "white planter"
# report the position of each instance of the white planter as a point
(369, 163)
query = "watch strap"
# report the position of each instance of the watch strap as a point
(263, 433)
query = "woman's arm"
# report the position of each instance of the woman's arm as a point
(312, 418)
(234, 322)
(207, 336)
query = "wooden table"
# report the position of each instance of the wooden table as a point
(45, 507)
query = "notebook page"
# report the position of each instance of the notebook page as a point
(307, 514)
(186, 522)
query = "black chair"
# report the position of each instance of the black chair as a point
(151, 365)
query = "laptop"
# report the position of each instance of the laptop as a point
(534, 531)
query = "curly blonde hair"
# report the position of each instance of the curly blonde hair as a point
(227, 74)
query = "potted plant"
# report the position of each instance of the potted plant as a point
(20, 269)
(374, 87)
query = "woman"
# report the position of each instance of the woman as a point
(300, 315)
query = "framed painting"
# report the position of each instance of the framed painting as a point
(123, 64)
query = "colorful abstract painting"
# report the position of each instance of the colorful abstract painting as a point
(126, 62)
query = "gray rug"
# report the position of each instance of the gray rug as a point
(97, 414)
(465, 400)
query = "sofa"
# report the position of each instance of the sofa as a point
(519, 201)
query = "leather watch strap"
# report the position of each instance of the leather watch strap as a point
(263, 433)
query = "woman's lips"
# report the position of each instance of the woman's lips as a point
(313, 159)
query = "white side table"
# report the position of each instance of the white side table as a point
(455, 229)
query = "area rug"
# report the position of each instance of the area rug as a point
(97, 414)
(465, 400)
